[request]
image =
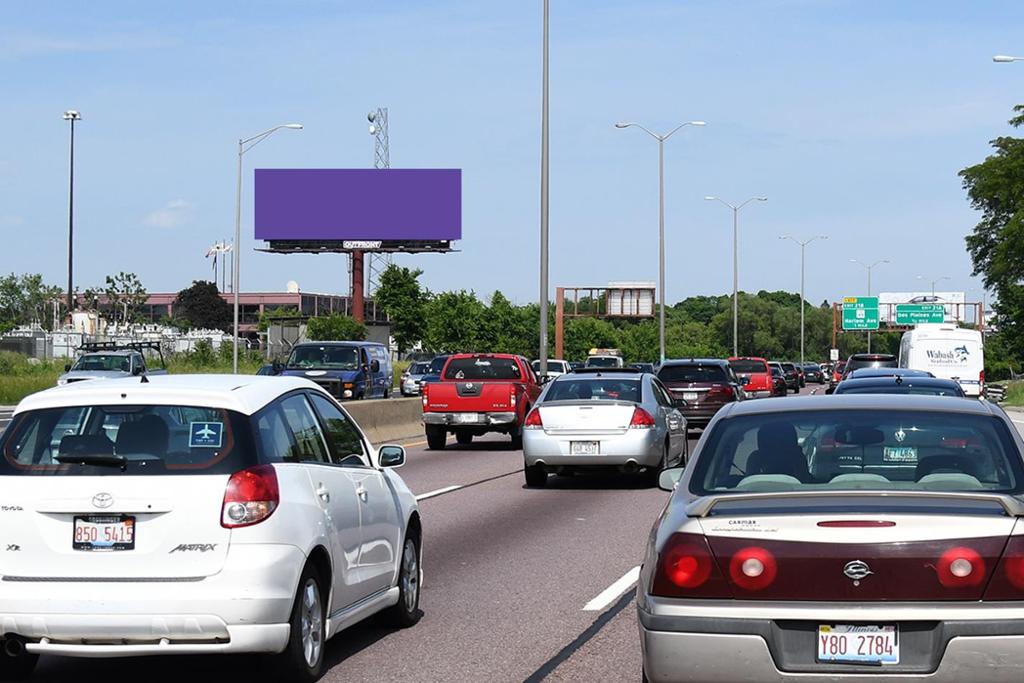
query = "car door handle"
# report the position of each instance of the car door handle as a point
(324, 494)
(361, 492)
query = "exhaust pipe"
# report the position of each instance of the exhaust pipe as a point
(631, 467)
(14, 646)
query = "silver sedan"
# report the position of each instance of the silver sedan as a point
(603, 418)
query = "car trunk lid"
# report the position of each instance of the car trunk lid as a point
(586, 417)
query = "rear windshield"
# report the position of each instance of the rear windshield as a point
(325, 357)
(748, 367)
(856, 363)
(437, 365)
(859, 449)
(693, 373)
(131, 440)
(482, 368)
(97, 362)
(418, 369)
(594, 390)
(903, 388)
(603, 362)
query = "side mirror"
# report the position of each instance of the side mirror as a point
(276, 367)
(669, 479)
(391, 456)
(375, 366)
(67, 367)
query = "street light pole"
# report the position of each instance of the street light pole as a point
(735, 265)
(661, 219)
(1007, 58)
(244, 145)
(544, 182)
(803, 244)
(936, 280)
(71, 116)
(869, 269)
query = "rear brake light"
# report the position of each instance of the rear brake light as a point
(959, 567)
(250, 497)
(719, 389)
(856, 523)
(533, 420)
(981, 377)
(641, 419)
(512, 395)
(753, 568)
(424, 391)
(686, 568)
(1008, 579)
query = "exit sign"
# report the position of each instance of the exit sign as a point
(860, 313)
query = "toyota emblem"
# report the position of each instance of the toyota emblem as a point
(857, 570)
(102, 500)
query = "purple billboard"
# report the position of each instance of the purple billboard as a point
(328, 204)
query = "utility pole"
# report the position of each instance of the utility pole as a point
(71, 116)
(543, 346)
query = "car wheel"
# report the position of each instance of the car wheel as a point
(653, 473)
(436, 438)
(387, 393)
(517, 439)
(536, 476)
(303, 656)
(464, 438)
(407, 612)
(17, 668)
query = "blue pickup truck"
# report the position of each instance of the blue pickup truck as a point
(346, 369)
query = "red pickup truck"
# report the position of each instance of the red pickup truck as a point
(479, 393)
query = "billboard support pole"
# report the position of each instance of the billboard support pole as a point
(560, 323)
(358, 282)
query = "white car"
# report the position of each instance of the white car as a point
(198, 514)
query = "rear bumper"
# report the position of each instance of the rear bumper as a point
(641, 446)
(760, 393)
(482, 419)
(742, 641)
(243, 608)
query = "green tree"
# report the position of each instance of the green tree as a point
(404, 300)
(126, 296)
(506, 328)
(202, 305)
(269, 315)
(26, 299)
(453, 321)
(335, 327)
(995, 187)
(583, 334)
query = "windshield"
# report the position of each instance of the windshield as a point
(418, 368)
(148, 440)
(594, 390)
(692, 373)
(859, 449)
(748, 367)
(483, 368)
(101, 362)
(325, 358)
(603, 362)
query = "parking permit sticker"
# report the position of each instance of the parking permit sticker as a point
(206, 434)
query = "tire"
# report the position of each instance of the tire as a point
(387, 393)
(18, 668)
(303, 658)
(463, 438)
(407, 612)
(536, 476)
(517, 439)
(436, 438)
(654, 473)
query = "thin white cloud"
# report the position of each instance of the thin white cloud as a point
(34, 45)
(173, 214)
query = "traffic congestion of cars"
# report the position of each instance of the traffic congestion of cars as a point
(867, 535)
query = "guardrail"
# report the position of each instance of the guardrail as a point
(995, 392)
(388, 420)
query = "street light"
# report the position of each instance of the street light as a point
(803, 244)
(1003, 59)
(661, 216)
(735, 264)
(938, 279)
(542, 346)
(244, 145)
(864, 265)
(71, 116)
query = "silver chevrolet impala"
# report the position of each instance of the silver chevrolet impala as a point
(601, 418)
(856, 538)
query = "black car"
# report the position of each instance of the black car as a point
(700, 387)
(792, 376)
(779, 387)
(869, 360)
(901, 384)
(862, 373)
(643, 367)
(814, 373)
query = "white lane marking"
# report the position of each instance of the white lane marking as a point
(438, 492)
(1020, 422)
(612, 592)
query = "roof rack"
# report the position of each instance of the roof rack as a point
(140, 346)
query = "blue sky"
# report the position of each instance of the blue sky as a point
(853, 117)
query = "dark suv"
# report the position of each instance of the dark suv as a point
(869, 360)
(792, 376)
(700, 387)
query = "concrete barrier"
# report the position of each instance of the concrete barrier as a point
(389, 420)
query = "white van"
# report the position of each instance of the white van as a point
(946, 351)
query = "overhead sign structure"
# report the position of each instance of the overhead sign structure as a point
(954, 304)
(860, 313)
(347, 209)
(917, 314)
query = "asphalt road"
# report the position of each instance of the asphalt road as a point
(520, 584)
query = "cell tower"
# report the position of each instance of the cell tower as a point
(381, 159)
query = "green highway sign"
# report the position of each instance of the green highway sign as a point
(860, 313)
(915, 314)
